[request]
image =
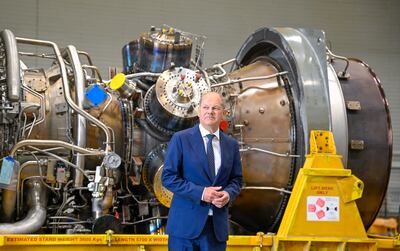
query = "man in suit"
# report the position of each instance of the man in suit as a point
(203, 170)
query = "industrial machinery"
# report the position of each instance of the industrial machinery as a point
(82, 154)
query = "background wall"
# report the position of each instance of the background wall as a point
(366, 29)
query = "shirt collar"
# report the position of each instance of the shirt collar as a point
(204, 132)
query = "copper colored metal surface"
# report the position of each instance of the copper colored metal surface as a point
(262, 108)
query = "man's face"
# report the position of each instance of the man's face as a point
(211, 111)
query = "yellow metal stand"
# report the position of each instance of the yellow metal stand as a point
(321, 216)
(322, 213)
(120, 242)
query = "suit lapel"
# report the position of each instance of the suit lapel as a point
(197, 145)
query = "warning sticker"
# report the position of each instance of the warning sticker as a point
(323, 208)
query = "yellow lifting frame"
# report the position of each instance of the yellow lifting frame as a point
(322, 213)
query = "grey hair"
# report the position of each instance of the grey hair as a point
(223, 104)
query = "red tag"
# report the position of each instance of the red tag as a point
(223, 125)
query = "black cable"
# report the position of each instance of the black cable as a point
(141, 84)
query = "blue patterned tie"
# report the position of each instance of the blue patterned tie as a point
(210, 155)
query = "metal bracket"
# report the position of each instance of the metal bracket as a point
(61, 107)
(109, 234)
(357, 144)
(353, 105)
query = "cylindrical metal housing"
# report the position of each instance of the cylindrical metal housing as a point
(278, 118)
(158, 49)
(130, 56)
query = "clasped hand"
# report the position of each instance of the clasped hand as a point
(215, 196)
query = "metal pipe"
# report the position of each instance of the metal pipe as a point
(143, 74)
(97, 207)
(36, 216)
(220, 67)
(80, 123)
(62, 160)
(35, 142)
(113, 137)
(89, 59)
(205, 75)
(145, 220)
(95, 69)
(344, 73)
(6, 108)
(141, 85)
(105, 108)
(65, 200)
(283, 190)
(13, 74)
(23, 126)
(31, 54)
(68, 223)
(9, 199)
(230, 82)
(67, 91)
(22, 167)
(84, 53)
(285, 155)
(32, 125)
(42, 105)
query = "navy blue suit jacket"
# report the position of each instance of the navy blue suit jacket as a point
(186, 174)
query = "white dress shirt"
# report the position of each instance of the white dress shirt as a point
(216, 146)
(217, 152)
